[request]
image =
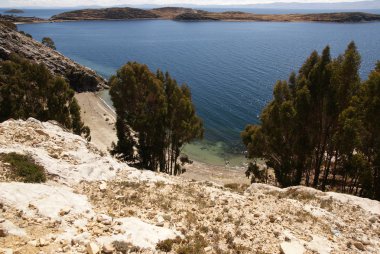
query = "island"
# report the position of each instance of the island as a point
(14, 11)
(18, 19)
(188, 14)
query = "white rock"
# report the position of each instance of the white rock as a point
(92, 248)
(33, 243)
(319, 245)
(47, 200)
(108, 248)
(12, 229)
(6, 251)
(103, 186)
(42, 242)
(293, 247)
(104, 219)
(160, 221)
(208, 249)
(139, 233)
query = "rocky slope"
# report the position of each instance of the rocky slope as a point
(107, 13)
(20, 19)
(79, 77)
(92, 202)
(187, 14)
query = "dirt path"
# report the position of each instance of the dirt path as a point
(99, 117)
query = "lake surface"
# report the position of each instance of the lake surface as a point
(231, 67)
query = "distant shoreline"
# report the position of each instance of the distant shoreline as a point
(188, 14)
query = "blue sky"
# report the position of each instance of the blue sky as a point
(73, 3)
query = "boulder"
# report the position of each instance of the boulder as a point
(293, 247)
(92, 248)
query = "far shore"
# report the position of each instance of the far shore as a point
(100, 117)
(193, 15)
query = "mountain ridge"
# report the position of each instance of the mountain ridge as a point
(188, 14)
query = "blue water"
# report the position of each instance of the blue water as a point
(40, 13)
(231, 67)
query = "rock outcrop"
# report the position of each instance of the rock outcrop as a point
(93, 203)
(79, 77)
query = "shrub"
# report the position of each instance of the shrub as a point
(24, 167)
(167, 245)
(28, 89)
(125, 247)
(193, 245)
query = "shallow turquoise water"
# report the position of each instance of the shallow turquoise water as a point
(231, 67)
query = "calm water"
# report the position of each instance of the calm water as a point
(231, 67)
(40, 13)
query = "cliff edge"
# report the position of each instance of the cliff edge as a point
(79, 77)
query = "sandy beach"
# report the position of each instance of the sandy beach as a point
(97, 115)
(101, 118)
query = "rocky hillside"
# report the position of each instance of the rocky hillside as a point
(187, 14)
(108, 13)
(20, 19)
(93, 203)
(79, 77)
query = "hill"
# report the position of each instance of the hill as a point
(104, 14)
(14, 11)
(80, 78)
(187, 14)
(92, 201)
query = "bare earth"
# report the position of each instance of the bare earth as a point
(93, 203)
(100, 118)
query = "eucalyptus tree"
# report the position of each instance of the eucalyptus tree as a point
(158, 111)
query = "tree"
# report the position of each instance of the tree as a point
(367, 109)
(155, 115)
(320, 127)
(28, 89)
(47, 41)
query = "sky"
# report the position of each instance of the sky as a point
(73, 3)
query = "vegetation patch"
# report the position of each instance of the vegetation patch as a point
(23, 167)
(125, 247)
(167, 245)
(194, 244)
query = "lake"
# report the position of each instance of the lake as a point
(231, 67)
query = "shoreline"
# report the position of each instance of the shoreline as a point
(221, 20)
(100, 117)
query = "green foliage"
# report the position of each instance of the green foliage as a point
(30, 90)
(159, 112)
(47, 41)
(26, 34)
(24, 167)
(322, 125)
